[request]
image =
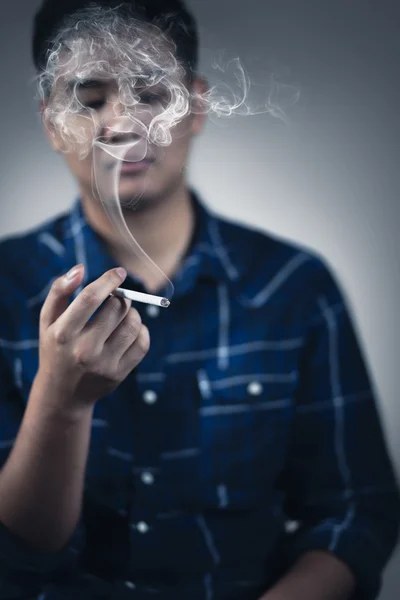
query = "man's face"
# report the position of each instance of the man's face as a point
(162, 169)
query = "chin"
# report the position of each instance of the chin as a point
(137, 200)
(132, 192)
(143, 192)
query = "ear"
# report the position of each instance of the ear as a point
(49, 129)
(199, 88)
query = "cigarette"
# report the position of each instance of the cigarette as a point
(140, 297)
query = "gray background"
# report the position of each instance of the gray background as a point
(330, 180)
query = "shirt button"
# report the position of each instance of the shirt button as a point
(152, 310)
(130, 585)
(142, 527)
(254, 388)
(150, 396)
(291, 526)
(147, 478)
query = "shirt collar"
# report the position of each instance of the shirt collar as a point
(209, 255)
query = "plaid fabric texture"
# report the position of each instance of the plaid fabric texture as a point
(247, 436)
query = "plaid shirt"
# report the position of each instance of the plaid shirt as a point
(247, 436)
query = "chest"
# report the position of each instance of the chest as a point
(208, 412)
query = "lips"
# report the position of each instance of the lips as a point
(133, 154)
(136, 167)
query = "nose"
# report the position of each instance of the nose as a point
(114, 119)
(119, 125)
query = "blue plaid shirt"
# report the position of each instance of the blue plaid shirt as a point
(247, 436)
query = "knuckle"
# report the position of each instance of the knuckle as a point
(132, 323)
(89, 298)
(144, 340)
(60, 337)
(130, 329)
(55, 292)
(115, 304)
(56, 287)
(111, 278)
(113, 377)
(114, 277)
(82, 357)
(108, 372)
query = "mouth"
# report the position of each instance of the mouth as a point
(141, 166)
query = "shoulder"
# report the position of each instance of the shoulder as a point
(271, 259)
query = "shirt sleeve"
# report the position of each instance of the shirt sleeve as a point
(23, 570)
(339, 483)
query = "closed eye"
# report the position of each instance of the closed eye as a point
(153, 98)
(149, 98)
(95, 104)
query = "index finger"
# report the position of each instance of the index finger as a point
(78, 313)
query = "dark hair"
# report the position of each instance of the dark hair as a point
(171, 16)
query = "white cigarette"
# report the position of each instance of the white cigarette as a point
(140, 297)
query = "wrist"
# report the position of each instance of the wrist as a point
(57, 402)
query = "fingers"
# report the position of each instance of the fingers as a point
(136, 352)
(124, 335)
(58, 297)
(78, 313)
(108, 318)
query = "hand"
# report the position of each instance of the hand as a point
(80, 361)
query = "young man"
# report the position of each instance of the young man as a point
(162, 453)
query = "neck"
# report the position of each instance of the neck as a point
(162, 227)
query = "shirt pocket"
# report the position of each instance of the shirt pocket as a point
(244, 426)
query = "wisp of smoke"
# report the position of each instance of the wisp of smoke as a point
(151, 96)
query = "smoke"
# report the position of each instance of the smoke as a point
(107, 184)
(99, 44)
(148, 95)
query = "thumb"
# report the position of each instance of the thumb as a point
(58, 297)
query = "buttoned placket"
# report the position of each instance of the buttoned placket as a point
(149, 385)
